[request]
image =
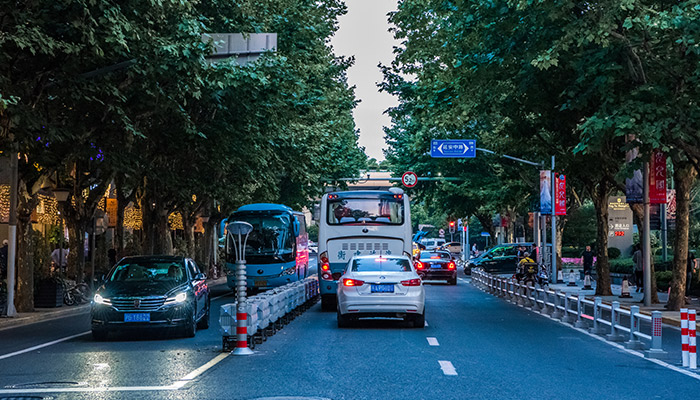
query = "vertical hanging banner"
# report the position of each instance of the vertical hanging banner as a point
(657, 177)
(634, 186)
(560, 203)
(546, 192)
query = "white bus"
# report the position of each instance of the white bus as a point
(355, 223)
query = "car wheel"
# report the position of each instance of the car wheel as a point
(328, 303)
(343, 321)
(100, 335)
(191, 326)
(204, 322)
(419, 321)
(452, 281)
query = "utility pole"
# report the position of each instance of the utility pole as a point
(554, 276)
(646, 240)
(12, 237)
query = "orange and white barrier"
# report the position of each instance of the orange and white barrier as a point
(684, 337)
(691, 340)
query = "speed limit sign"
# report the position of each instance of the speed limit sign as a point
(409, 179)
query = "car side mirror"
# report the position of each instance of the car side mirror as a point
(200, 276)
(103, 278)
(297, 227)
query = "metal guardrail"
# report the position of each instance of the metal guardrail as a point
(572, 309)
(268, 311)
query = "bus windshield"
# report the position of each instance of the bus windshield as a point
(387, 211)
(271, 239)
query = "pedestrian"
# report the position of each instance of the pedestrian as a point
(3, 259)
(587, 261)
(475, 250)
(689, 271)
(59, 257)
(638, 261)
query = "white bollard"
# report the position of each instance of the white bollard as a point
(691, 340)
(684, 337)
(587, 282)
(572, 279)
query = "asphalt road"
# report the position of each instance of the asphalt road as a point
(475, 346)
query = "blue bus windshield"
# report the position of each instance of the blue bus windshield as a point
(271, 240)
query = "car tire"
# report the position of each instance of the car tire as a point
(343, 321)
(191, 326)
(419, 321)
(328, 303)
(204, 322)
(100, 335)
(452, 281)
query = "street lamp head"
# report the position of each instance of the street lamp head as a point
(239, 228)
(61, 194)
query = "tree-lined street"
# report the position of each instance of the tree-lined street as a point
(532, 357)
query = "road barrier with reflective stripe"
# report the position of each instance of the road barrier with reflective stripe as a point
(573, 310)
(268, 311)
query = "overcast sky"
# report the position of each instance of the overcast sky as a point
(364, 34)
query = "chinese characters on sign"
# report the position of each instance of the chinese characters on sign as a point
(657, 178)
(620, 225)
(560, 202)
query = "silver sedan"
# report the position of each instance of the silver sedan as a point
(380, 286)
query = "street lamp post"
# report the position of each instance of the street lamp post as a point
(241, 229)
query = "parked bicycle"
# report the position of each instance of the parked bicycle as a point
(74, 293)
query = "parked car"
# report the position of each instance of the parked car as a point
(437, 264)
(502, 258)
(380, 286)
(455, 248)
(432, 243)
(151, 291)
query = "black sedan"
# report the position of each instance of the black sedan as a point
(436, 264)
(151, 291)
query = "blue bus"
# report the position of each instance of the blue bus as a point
(277, 251)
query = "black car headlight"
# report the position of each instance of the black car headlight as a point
(176, 299)
(98, 299)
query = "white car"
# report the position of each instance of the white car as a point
(380, 286)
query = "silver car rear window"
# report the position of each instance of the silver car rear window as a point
(381, 264)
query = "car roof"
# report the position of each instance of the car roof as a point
(152, 258)
(367, 256)
(264, 207)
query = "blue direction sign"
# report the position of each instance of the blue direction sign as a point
(455, 148)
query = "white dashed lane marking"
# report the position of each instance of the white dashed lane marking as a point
(447, 368)
(433, 341)
(426, 323)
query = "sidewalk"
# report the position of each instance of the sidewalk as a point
(669, 317)
(48, 314)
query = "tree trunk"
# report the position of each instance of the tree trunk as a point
(684, 175)
(119, 229)
(599, 195)
(487, 224)
(76, 254)
(638, 213)
(24, 300)
(188, 225)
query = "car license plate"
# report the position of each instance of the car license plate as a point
(438, 266)
(260, 283)
(382, 288)
(137, 317)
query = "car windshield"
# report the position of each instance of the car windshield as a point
(387, 211)
(381, 264)
(427, 255)
(150, 271)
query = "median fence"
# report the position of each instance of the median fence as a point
(636, 330)
(268, 312)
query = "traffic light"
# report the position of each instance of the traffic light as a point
(452, 227)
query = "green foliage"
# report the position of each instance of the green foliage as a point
(663, 279)
(580, 228)
(312, 230)
(613, 253)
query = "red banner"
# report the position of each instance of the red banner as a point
(560, 203)
(657, 178)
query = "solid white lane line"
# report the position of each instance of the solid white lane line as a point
(426, 323)
(447, 368)
(179, 384)
(41, 346)
(433, 341)
(204, 367)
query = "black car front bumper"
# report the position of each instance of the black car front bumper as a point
(106, 317)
